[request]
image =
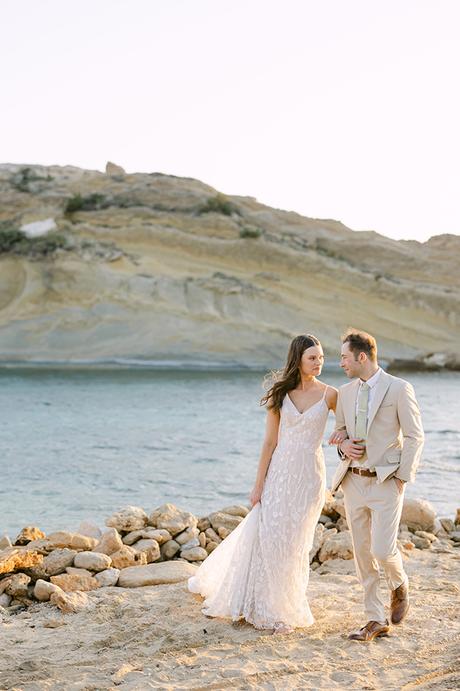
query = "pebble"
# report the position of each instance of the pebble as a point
(127, 519)
(127, 556)
(93, 561)
(172, 519)
(109, 577)
(421, 542)
(28, 534)
(169, 549)
(73, 582)
(155, 574)
(110, 542)
(44, 589)
(150, 548)
(194, 554)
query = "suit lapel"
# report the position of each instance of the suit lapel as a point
(380, 390)
(350, 408)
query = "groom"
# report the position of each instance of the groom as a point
(381, 417)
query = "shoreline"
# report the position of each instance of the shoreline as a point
(396, 366)
(117, 611)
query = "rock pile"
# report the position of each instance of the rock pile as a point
(166, 546)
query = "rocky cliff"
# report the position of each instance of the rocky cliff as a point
(149, 267)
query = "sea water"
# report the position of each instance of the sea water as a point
(80, 444)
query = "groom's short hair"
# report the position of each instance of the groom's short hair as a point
(361, 342)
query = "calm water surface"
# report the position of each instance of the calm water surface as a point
(80, 444)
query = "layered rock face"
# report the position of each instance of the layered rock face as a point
(99, 266)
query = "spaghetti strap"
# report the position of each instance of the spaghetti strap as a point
(325, 392)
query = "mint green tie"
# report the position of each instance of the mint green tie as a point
(361, 415)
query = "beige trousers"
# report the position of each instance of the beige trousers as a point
(373, 515)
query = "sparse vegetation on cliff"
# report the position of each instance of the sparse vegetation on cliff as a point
(14, 242)
(89, 202)
(220, 204)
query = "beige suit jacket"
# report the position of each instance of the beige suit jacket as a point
(394, 430)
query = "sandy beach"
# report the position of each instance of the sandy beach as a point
(156, 637)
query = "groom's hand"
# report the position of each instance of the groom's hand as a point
(352, 449)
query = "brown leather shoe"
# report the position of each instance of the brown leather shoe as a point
(399, 603)
(369, 632)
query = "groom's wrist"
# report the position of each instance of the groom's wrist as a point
(340, 452)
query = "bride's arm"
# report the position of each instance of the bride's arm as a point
(268, 447)
(340, 432)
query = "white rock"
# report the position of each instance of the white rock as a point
(38, 228)
(44, 589)
(109, 576)
(71, 602)
(114, 170)
(224, 520)
(74, 571)
(5, 600)
(212, 535)
(15, 585)
(93, 561)
(338, 546)
(211, 546)
(418, 514)
(155, 574)
(342, 524)
(172, 519)
(318, 540)
(447, 524)
(158, 534)
(187, 535)
(63, 538)
(194, 542)
(337, 566)
(203, 523)
(236, 510)
(127, 519)
(109, 542)
(328, 508)
(150, 548)
(127, 556)
(57, 561)
(338, 504)
(169, 549)
(194, 554)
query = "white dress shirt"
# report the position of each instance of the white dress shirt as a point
(372, 382)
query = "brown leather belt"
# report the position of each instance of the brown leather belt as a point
(362, 471)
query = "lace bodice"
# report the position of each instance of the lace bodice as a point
(306, 428)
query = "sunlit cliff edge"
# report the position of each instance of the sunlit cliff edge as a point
(99, 267)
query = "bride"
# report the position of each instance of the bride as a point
(260, 571)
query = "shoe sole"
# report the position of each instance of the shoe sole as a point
(372, 636)
(397, 623)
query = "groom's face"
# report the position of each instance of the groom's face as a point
(350, 365)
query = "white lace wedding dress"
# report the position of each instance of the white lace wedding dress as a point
(260, 571)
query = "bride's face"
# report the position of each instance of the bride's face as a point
(312, 361)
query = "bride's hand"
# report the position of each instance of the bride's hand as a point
(255, 495)
(338, 437)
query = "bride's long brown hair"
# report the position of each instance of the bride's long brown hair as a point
(287, 379)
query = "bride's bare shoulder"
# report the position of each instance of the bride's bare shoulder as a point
(331, 396)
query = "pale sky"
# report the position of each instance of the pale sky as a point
(345, 109)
